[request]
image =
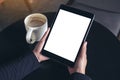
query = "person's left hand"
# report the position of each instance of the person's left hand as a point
(38, 48)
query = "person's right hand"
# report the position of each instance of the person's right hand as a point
(81, 61)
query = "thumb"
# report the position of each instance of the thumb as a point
(83, 51)
(40, 44)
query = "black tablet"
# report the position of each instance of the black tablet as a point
(69, 31)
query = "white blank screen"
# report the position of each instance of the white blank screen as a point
(67, 34)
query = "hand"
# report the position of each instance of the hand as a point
(38, 48)
(81, 61)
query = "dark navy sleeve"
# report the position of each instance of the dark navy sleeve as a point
(19, 68)
(79, 76)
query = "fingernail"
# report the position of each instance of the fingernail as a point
(86, 43)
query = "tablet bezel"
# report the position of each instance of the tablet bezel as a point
(76, 11)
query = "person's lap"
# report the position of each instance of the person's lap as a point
(49, 70)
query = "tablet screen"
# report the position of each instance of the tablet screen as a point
(67, 34)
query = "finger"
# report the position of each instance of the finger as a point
(40, 44)
(71, 70)
(45, 35)
(43, 58)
